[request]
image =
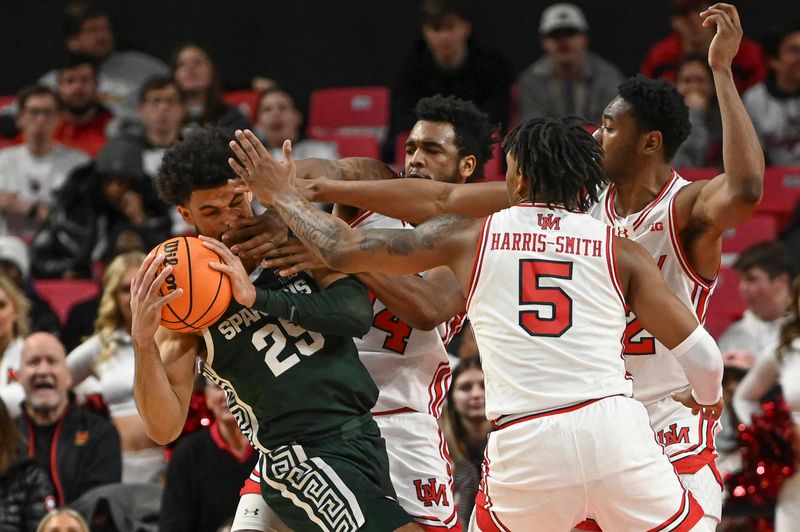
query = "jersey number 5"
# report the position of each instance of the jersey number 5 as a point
(531, 292)
(273, 337)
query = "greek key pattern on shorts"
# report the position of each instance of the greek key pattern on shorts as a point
(313, 486)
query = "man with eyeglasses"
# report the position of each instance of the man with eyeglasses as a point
(30, 172)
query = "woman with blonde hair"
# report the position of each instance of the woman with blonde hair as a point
(779, 364)
(14, 327)
(63, 520)
(108, 357)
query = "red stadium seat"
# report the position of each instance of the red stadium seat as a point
(62, 294)
(726, 303)
(781, 193)
(695, 174)
(400, 149)
(244, 100)
(349, 111)
(759, 228)
(494, 169)
(356, 146)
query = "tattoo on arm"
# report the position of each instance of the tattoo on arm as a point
(314, 227)
(405, 242)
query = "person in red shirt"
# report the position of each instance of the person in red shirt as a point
(84, 119)
(689, 36)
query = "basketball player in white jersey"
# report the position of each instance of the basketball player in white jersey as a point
(679, 223)
(405, 349)
(546, 288)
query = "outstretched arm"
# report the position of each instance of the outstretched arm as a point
(448, 240)
(349, 169)
(412, 200)
(731, 197)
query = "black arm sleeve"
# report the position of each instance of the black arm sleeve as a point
(343, 309)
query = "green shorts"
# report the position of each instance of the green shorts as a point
(337, 483)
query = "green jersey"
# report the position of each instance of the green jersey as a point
(285, 384)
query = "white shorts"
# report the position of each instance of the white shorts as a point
(688, 440)
(419, 467)
(597, 458)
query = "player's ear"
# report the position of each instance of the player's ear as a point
(185, 214)
(467, 166)
(652, 142)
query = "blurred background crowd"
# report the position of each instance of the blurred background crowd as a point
(95, 93)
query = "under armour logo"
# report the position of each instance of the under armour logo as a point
(247, 512)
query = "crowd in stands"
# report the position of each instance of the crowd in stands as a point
(78, 205)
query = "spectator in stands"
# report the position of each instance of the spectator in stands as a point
(104, 208)
(83, 119)
(279, 120)
(120, 74)
(703, 147)
(63, 520)
(774, 104)
(569, 79)
(14, 327)
(15, 264)
(79, 449)
(466, 430)
(32, 171)
(765, 273)
(779, 365)
(108, 356)
(196, 76)
(26, 494)
(204, 498)
(448, 62)
(690, 37)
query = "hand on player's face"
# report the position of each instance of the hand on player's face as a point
(243, 290)
(254, 236)
(291, 258)
(710, 411)
(725, 43)
(263, 174)
(146, 302)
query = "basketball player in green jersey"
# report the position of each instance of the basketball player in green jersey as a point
(283, 352)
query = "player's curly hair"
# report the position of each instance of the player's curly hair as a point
(199, 161)
(658, 106)
(475, 135)
(561, 161)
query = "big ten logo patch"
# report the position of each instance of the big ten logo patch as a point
(673, 435)
(431, 493)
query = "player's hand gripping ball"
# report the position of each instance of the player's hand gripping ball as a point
(206, 292)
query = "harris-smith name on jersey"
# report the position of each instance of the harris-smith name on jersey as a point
(546, 240)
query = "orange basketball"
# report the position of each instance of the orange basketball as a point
(206, 292)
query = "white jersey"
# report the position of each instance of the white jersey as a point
(409, 366)
(656, 373)
(547, 311)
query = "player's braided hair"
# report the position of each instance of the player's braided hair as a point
(560, 160)
(474, 134)
(658, 106)
(199, 161)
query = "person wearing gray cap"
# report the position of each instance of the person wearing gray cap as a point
(569, 79)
